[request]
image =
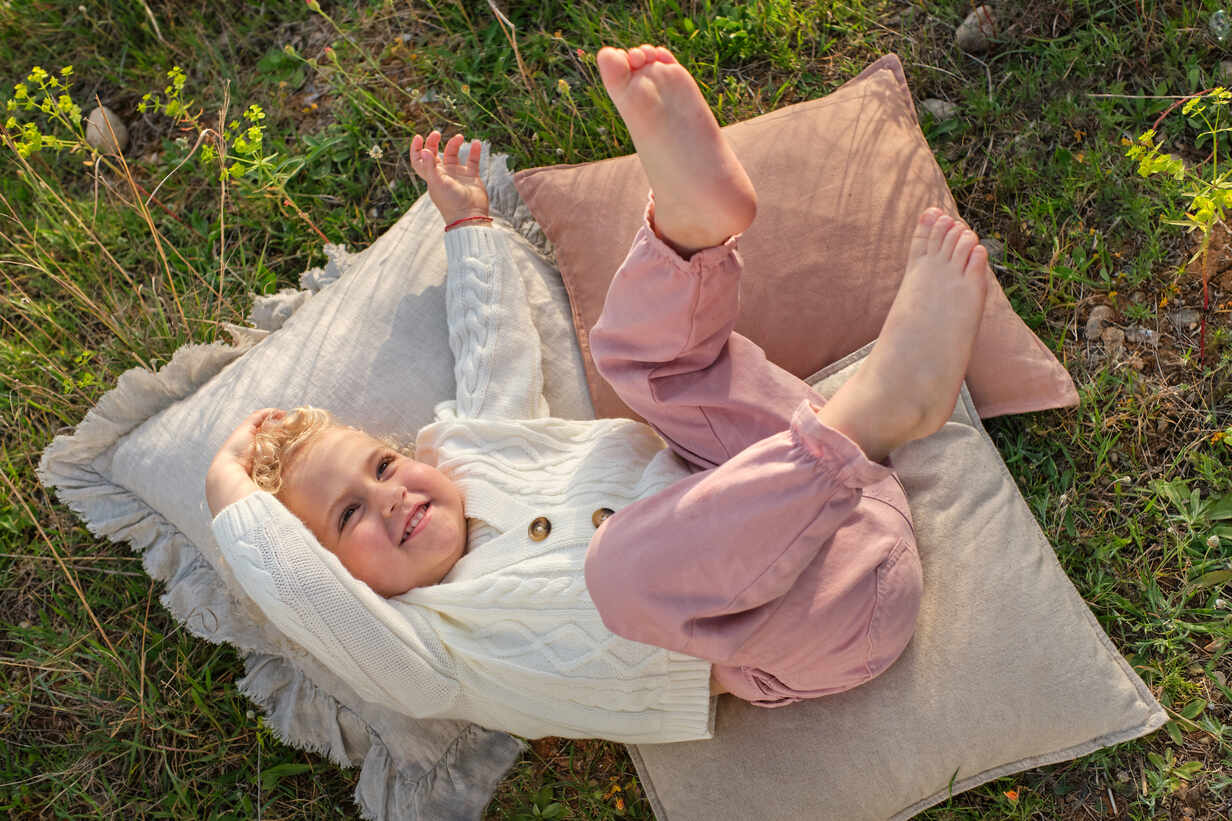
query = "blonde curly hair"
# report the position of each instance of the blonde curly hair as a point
(279, 441)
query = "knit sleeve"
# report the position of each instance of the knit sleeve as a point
(388, 656)
(497, 358)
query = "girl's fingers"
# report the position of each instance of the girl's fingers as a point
(427, 166)
(416, 150)
(433, 142)
(258, 418)
(472, 159)
(451, 149)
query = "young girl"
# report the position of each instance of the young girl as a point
(579, 578)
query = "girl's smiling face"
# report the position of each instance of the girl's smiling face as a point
(394, 523)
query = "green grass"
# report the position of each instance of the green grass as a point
(109, 708)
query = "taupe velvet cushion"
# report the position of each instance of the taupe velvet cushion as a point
(841, 181)
(1008, 670)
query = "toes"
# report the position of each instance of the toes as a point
(613, 67)
(951, 240)
(977, 263)
(616, 65)
(941, 226)
(930, 216)
(919, 238)
(962, 249)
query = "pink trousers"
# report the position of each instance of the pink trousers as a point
(787, 559)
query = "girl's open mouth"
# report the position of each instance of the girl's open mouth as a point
(416, 523)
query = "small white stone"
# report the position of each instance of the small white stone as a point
(1114, 342)
(941, 110)
(100, 125)
(1100, 316)
(973, 34)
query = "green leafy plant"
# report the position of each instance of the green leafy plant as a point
(1197, 513)
(543, 806)
(1168, 775)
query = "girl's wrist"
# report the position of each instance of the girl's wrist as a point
(467, 220)
(226, 483)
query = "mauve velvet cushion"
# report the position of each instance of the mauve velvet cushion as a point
(841, 181)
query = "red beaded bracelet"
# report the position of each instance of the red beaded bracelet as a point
(456, 223)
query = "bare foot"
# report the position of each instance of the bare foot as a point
(907, 387)
(702, 193)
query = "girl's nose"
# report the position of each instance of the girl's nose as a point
(394, 501)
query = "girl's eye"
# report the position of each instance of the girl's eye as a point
(346, 515)
(383, 465)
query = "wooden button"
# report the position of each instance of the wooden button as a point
(540, 528)
(600, 515)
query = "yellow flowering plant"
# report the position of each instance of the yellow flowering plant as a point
(1208, 189)
(237, 149)
(42, 105)
(46, 94)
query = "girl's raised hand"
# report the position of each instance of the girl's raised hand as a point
(229, 478)
(454, 186)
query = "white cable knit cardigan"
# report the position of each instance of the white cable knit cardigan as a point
(509, 639)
